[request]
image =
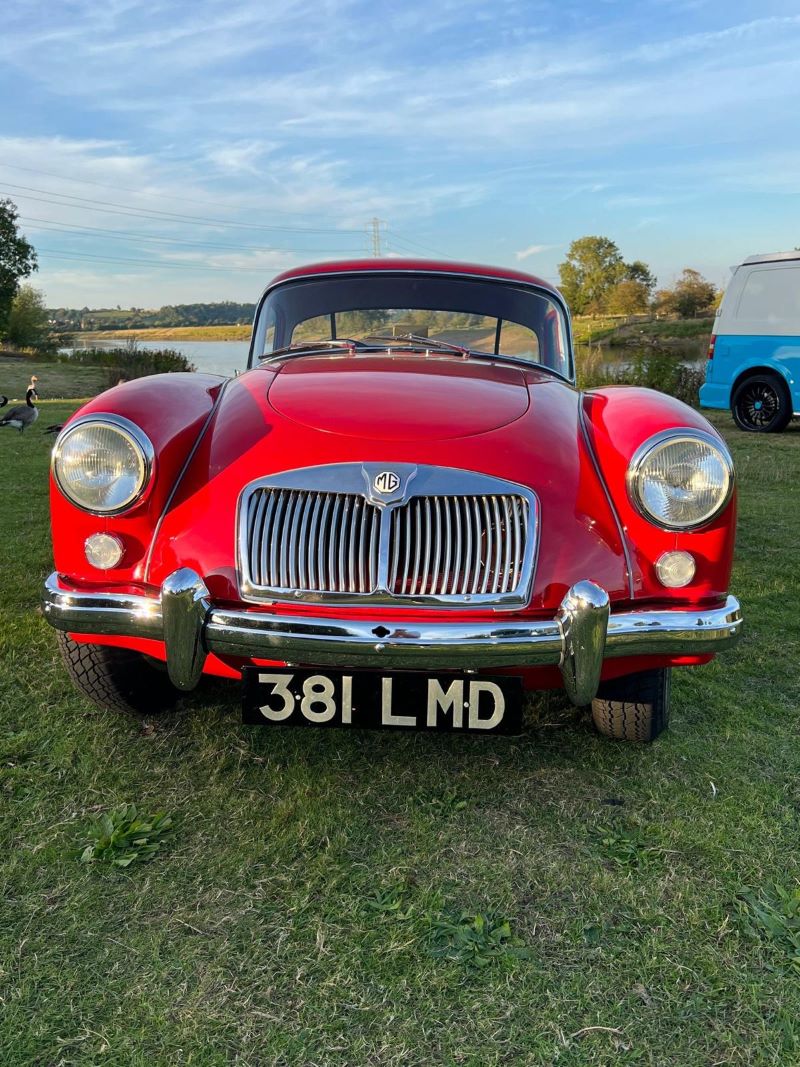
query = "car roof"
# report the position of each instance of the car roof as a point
(417, 266)
(772, 257)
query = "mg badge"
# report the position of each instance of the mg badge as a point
(386, 482)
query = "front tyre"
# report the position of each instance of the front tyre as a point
(634, 708)
(761, 404)
(117, 679)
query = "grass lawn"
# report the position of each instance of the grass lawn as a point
(591, 328)
(56, 380)
(317, 902)
(683, 328)
(588, 329)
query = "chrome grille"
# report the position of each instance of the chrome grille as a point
(312, 542)
(457, 546)
(337, 534)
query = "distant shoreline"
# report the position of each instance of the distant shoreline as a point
(169, 333)
(602, 330)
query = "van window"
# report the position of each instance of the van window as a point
(771, 295)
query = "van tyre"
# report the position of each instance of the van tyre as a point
(634, 708)
(761, 404)
(117, 679)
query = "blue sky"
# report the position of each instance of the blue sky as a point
(167, 152)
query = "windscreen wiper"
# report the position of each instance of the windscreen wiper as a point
(298, 347)
(424, 342)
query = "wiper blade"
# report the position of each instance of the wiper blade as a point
(424, 342)
(314, 346)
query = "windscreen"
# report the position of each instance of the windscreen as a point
(484, 316)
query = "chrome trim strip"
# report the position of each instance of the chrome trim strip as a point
(573, 640)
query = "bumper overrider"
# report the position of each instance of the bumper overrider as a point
(582, 634)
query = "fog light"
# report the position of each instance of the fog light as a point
(675, 569)
(103, 551)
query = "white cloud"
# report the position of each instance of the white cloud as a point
(313, 114)
(532, 250)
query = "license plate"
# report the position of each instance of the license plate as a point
(397, 700)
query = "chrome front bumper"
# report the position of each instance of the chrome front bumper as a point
(582, 634)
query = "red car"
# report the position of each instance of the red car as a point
(404, 514)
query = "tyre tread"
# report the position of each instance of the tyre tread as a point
(635, 707)
(117, 678)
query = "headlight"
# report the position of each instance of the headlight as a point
(102, 463)
(681, 479)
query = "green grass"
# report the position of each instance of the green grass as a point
(56, 380)
(354, 898)
(587, 329)
(682, 328)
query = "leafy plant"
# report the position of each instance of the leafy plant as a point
(474, 940)
(627, 846)
(774, 913)
(123, 835)
(445, 803)
(130, 361)
(391, 903)
(654, 370)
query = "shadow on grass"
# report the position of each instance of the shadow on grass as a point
(561, 741)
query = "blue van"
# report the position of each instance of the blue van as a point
(753, 363)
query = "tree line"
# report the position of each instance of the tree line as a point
(223, 313)
(596, 280)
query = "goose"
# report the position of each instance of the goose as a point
(3, 401)
(24, 414)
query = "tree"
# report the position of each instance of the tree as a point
(28, 324)
(640, 272)
(690, 295)
(628, 297)
(17, 259)
(693, 293)
(592, 268)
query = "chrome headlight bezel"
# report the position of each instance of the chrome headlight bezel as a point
(133, 434)
(652, 445)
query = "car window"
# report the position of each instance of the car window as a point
(476, 332)
(519, 341)
(483, 315)
(771, 294)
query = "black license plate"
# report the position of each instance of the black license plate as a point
(395, 700)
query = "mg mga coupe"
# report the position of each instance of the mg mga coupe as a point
(403, 514)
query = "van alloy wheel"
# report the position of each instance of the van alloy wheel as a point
(761, 405)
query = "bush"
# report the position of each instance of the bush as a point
(130, 361)
(655, 370)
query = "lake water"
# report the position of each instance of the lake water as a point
(213, 357)
(227, 357)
